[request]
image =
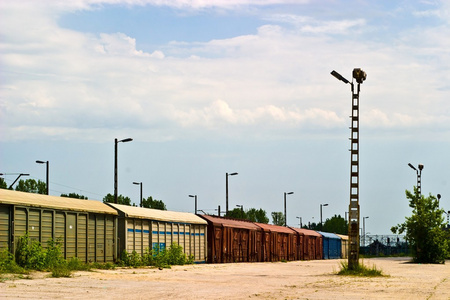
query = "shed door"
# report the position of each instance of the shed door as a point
(71, 230)
(4, 227)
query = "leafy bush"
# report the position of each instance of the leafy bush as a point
(8, 264)
(30, 254)
(156, 258)
(61, 271)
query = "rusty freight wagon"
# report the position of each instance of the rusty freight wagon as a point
(86, 229)
(310, 244)
(231, 240)
(279, 243)
(143, 229)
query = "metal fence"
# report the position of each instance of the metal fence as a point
(382, 245)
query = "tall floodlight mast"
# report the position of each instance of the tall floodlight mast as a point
(353, 209)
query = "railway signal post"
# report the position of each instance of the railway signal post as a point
(353, 210)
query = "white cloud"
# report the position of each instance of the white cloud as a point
(220, 111)
(73, 82)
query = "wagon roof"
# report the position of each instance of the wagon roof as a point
(157, 214)
(230, 222)
(306, 231)
(343, 237)
(329, 235)
(54, 202)
(275, 228)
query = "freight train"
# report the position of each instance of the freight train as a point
(94, 231)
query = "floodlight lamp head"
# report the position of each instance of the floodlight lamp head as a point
(339, 76)
(420, 167)
(359, 75)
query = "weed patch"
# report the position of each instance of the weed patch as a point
(361, 270)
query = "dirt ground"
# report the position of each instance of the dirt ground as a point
(292, 280)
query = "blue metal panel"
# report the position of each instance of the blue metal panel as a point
(331, 245)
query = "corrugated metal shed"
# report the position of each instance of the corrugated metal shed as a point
(85, 229)
(344, 245)
(156, 214)
(55, 202)
(332, 245)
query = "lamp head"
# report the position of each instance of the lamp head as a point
(339, 76)
(438, 196)
(420, 167)
(359, 75)
(232, 174)
(412, 167)
(193, 196)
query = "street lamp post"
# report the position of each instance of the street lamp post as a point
(364, 231)
(419, 177)
(226, 190)
(353, 224)
(195, 197)
(46, 180)
(140, 199)
(285, 212)
(115, 164)
(321, 224)
(300, 221)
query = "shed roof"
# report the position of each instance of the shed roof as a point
(275, 228)
(54, 202)
(157, 214)
(230, 222)
(329, 235)
(306, 232)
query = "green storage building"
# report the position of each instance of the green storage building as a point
(87, 229)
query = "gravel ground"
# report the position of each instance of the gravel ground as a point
(292, 280)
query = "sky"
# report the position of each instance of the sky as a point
(206, 88)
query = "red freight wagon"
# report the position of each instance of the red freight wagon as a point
(231, 240)
(279, 243)
(310, 246)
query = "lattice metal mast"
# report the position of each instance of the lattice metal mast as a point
(354, 212)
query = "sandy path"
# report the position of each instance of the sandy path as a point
(293, 280)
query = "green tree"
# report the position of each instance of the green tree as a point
(278, 218)
(257, 215)
(312, 226)
(425, 229)
(32, 186)
(155, 204)
(3, 184)
(237, 213)
(120, 199)
(336, 224)
(73, 195)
